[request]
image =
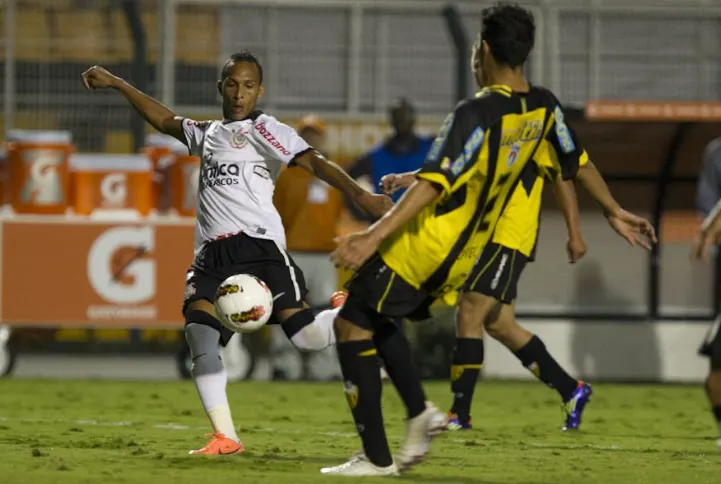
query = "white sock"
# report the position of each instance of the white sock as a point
(319, 334)
(211, 388)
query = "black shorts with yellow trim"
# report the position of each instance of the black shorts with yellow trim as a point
(377, 295)
(497, 272)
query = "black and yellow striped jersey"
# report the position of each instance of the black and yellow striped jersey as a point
(484, 149)
(520, 222)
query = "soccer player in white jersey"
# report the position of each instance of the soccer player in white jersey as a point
(238, 230)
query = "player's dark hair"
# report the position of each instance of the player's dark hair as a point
(242, 56)
(510, 31)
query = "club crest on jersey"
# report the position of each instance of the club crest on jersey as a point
(238, 140)
(513, 154)
(446, 164)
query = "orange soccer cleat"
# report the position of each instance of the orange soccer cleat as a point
(220, 445)
(337, 299)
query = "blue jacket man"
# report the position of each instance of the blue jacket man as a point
(402, 152)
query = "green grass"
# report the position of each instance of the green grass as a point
(106, 432)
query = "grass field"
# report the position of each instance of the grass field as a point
(105, 432)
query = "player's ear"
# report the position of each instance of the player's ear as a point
(485, 48)
(261, 91)
(220, 87)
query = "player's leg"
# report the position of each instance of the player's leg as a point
(371, 290)
(307, 330)
(473, 309)
(205, 335)
(534, 355)
(424, 420)
(358, 358)
(711, 348)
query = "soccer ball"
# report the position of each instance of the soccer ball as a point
(243, 303)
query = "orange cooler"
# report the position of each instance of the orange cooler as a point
(184, 178)
(38, 171)
(117, 183)
(162, 149)
(4, 189)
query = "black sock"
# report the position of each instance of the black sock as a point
(717, 413)
(361, 373)
(465, 368)
(539, 361)
(395, 351)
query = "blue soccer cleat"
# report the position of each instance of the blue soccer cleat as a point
(454, 423)
(574, 406)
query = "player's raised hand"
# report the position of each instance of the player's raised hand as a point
(375, 204)
(99, 78)
(636, 230)
(576, 248)
(390, 184)
(354, 249)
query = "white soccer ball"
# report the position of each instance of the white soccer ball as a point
(243, 303)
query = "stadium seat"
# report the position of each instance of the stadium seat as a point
(203, 47)
(32, 39)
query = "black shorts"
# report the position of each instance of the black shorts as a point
(242, 254)
(376, 294)
(496, 273)
(711, 345)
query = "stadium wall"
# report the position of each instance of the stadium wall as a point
(622, 351)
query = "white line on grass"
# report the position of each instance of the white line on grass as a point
(344, 435)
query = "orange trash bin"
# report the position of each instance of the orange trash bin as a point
(38, 171)
(117, 183)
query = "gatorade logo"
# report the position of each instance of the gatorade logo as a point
(114, 190)
(43, 185)
(121, 272)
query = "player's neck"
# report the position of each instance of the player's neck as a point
(512, 78)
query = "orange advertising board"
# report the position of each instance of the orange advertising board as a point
(653, 111)
(57, 272)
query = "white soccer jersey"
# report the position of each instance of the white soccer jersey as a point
(239, 163)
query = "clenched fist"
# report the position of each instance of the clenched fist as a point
(99, 78)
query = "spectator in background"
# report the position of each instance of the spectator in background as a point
(310, 210)
(708, 201)
(402, 152)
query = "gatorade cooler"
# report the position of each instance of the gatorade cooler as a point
(184, 178)
(111, 183)
(162, 149)
(38, 171)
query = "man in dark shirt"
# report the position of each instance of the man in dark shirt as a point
(402, 152)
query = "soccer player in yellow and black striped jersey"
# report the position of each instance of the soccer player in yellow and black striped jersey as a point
(496, 274)
(426, 246)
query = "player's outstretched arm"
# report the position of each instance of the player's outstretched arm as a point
(335, 176)
(631, 227)
(154, 112)
(353, 250)
(566, 199)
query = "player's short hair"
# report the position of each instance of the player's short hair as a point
(243, 56)
(510, 32)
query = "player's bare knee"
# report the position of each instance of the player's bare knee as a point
(348, 331)
(499, 324)
(473, 310)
